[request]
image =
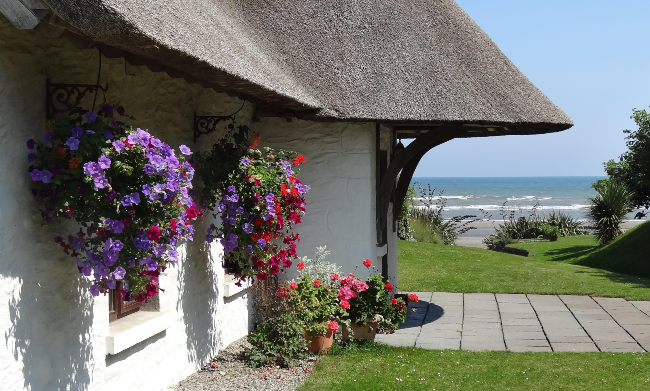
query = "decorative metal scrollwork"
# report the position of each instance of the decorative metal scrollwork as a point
(61, 98)
(205, 124)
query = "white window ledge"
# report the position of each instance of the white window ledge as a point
(230, 288)
(382, 249)
(135, 328)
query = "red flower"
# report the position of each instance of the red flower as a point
(394, 301)
(283, 292)
(388, 287)
(332, 326)
(345, 304)
(261, 276)
(316, 283)
(154, 233)
(367, 263)
(413, 298)
(301, 265)
(192, 213)
(293, 285)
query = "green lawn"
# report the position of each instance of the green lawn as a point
(377, 367)
(568, 266)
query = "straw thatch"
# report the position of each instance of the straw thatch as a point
(381, 60)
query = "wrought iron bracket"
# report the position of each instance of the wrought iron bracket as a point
(206, 124)
(61, 98)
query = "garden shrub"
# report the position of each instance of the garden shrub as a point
(404, 229)
(277, 341)
(567, 225)
(608, 209)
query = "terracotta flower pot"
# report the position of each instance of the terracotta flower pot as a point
(320, 343)
(368, 332)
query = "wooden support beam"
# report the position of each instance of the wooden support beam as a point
(420, 145)
(24, 14)
(407, 174)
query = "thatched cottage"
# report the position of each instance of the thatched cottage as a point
(338, 81)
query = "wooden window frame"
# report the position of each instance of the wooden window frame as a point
(120, 308)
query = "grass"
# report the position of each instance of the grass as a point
(371, 366)
(629, 254)
(573, 265)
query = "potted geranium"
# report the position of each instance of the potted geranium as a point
(372, 306)
(128, 191)
(317, 308)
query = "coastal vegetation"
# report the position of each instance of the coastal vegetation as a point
(571, 265)
(608, 209)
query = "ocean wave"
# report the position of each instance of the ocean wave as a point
(436, 198)
(527, 198)
(498, 207)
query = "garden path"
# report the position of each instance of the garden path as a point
(519, 322)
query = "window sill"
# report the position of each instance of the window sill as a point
(229, 287)
(135, 328)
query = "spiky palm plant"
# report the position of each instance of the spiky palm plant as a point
(608, 209)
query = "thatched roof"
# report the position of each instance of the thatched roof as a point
(419, 61)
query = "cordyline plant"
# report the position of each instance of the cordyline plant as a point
(127, 189)
(259, 199)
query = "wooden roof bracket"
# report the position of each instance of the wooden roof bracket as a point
(406, 162)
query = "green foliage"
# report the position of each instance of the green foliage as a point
(277, 341)
(566, 224)
(315, 303)
(404, 229)
(519, 224)
(428, 224)
(633, 167)
(608, 209)
(550, 232)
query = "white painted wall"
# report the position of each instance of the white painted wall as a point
(54, 331)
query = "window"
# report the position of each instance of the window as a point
(117, 308)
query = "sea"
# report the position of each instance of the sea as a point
(489, 195)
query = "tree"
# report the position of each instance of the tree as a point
(633, 167)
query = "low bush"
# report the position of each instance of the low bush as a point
(567, 225)
(608, 209)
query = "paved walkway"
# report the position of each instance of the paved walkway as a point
(518, 322)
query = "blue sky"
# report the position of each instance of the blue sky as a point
(590, 57)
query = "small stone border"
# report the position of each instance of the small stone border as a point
(227, 371)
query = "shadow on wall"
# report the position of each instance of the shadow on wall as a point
(198, 289)
(51, 317)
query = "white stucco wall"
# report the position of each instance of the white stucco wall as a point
(54, 331)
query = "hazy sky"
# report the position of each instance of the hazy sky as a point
(590, 57)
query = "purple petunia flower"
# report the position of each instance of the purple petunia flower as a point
(36, 175)
(77, 132)
(92, 168)
(231, 189)
(86, 271)
(146, 189)
(31, 143)
(118, 145)
(107, 108)
(184, 149)
(101, 182)
(119, 273)
(149, 169)
(126, 200)
(108, 135)
(118, 245)
(172, 255)
(209, 238)
(111, 284)
(113, 124)
(135, 198)
(247, 228)
(245, 162)
(111, 195)
(249, 248)
(151, 265)
(104, 162)
(120, 110)
(46, 176)
(73, 143)
(119, 226)
(94, 290)
(31, 157)
(91, 116)
(156, 142)
(48, 136)
(261, 242)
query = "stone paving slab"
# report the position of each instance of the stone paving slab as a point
(524, 323)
